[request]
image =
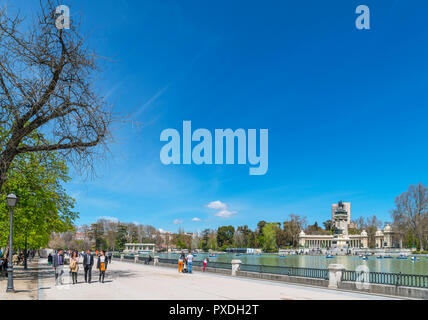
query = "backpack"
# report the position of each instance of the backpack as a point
(72, 264)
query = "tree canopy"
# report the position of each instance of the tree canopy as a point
(43, 206)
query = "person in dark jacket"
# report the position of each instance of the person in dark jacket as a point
(102, 265)
(58, 265)
(50, 259)
(88, 263)
(5, 265)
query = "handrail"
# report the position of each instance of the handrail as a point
(396, 279)
(387, 278)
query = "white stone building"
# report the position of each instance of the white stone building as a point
(139, 247)
(342, 239)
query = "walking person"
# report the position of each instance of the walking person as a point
(15, 259)
(74, 266)
(2, 267)
(110, 254)
(88, 262)
(49, 259)
(205, 264)
(189, 259)
(184, 265)
(180, 262)
(5, 265)
(102, 265)
(58, 266)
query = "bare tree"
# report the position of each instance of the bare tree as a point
(292, 228)
(46, 89)
(56, 241)
(411, 211)
(238, 239)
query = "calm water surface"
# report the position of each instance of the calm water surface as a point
(305, 261)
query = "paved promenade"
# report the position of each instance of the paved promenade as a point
(25, 282)
(141, 282)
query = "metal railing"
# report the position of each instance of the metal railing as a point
(290, 271)
(195, 263)
(395, 279)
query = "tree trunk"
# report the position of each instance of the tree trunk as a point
(421, 243)
(25, 253)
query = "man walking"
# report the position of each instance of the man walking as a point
(58, 265)
(109, 254)
(88, 262)
(189, 262)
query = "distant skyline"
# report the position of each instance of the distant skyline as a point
(346, 109)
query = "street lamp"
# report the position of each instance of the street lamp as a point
(11, 201)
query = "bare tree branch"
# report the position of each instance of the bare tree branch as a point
(46, 87)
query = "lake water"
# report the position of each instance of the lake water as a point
(393, 265)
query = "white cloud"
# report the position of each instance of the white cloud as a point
(178, 221)
(225, 213)
(196, 219)
(218, 205)
(113, 219)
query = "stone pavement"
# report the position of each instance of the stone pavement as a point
(144, 282)
(25, 282)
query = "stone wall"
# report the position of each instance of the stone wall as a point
(389, 290)
(380, 289)
(283, 278)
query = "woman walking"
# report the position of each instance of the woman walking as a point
(102, 265)
(180, 262)
(74, 266)
(205, 264)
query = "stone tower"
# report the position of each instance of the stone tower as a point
(340, 225)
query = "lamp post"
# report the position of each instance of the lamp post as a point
(11, 201)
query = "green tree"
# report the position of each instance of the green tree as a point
(225, 235)
(44, 207)
(247, 235)
(205, 239)
(314, 229)
(260, 226)
(99, 235)
(328, 225)
(120, 241)
(269, 237)
(182, 240)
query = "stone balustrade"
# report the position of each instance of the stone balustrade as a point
(335, 275)
(236, 266)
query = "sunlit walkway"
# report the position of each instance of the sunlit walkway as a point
(135, 281)
(25, 282)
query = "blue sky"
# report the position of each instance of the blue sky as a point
(346, 109)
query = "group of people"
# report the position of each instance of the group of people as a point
(4, 262)
(18, 258)
(58, 260)
(185, 263)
